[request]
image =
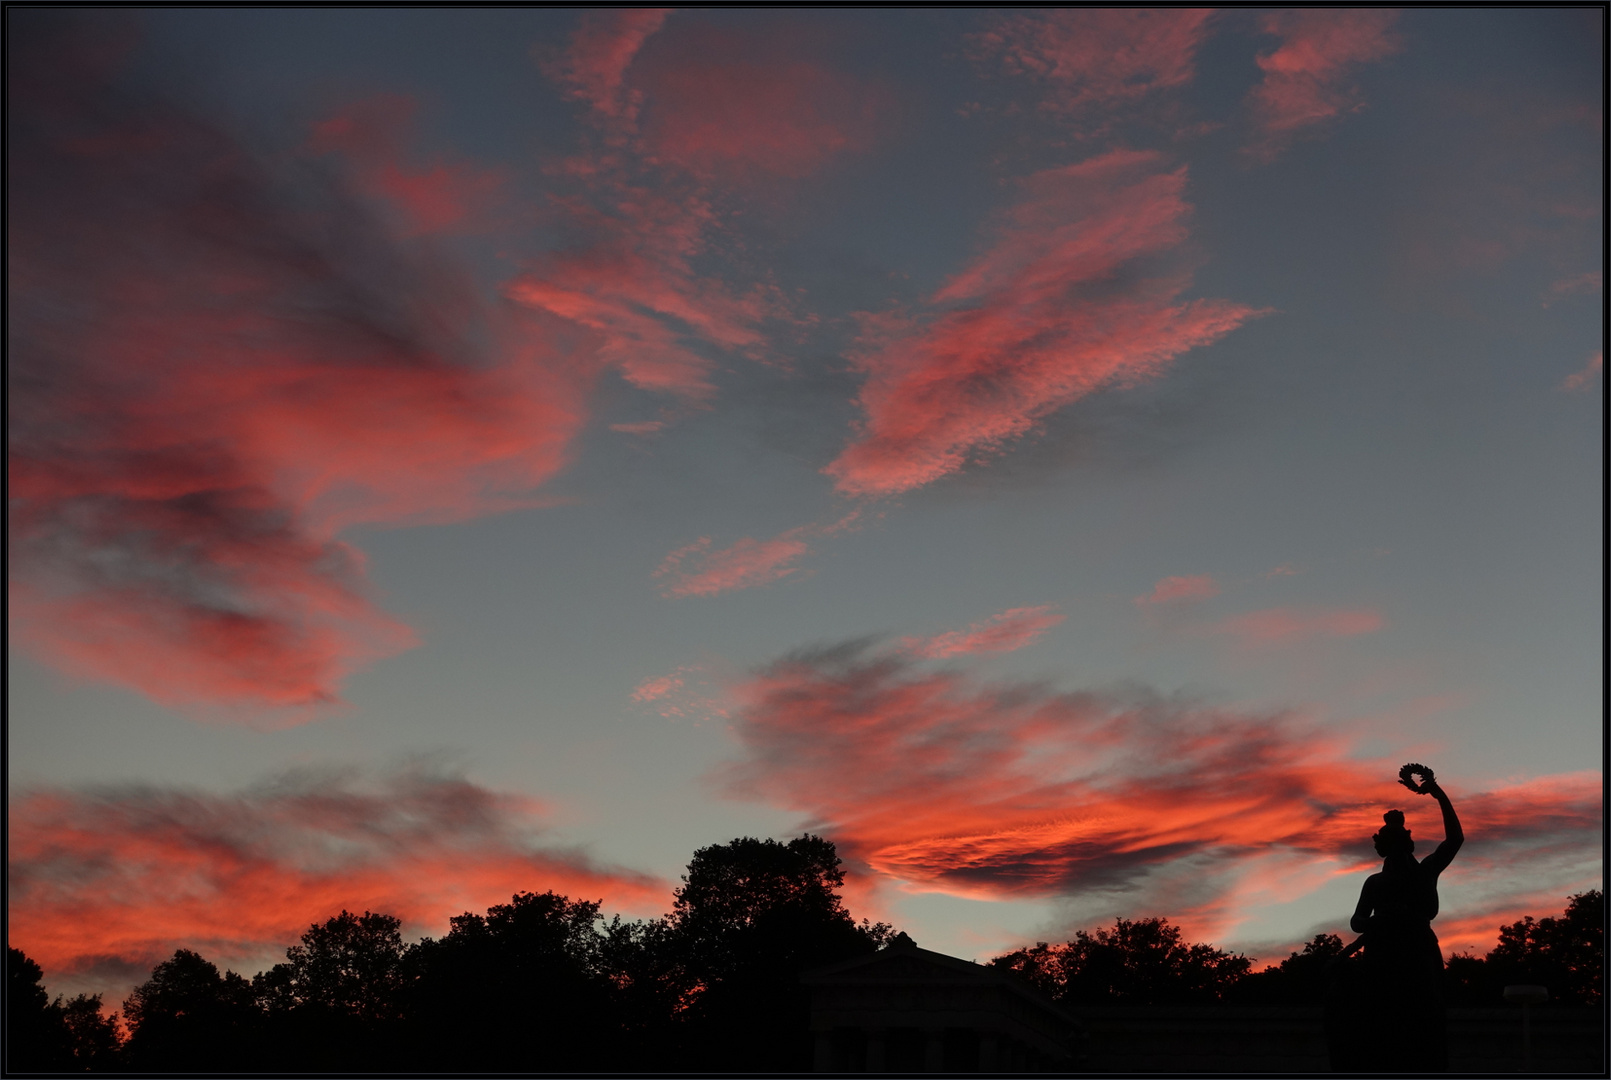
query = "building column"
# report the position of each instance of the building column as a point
(875, 1049)
(934, 1050)
(822, 1051)
(989, 1061)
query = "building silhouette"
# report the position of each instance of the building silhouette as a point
(906, 1009)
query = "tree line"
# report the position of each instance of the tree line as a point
(545, 983)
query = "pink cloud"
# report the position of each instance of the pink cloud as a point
(719, 110)
(941, 783)
(1089, 57)
(104, 883)
(1009, 630)
(743, 565)
(740, 108)
(630, 280)
(1177, 590)
(1304, 76)
(216, 368)
(593, 67)
(655, 689)
(1290, 626)
(1047, 315)
(446, 196)
(1583, 380)
(1582, 285)
(684, 694)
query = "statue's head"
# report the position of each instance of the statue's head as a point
(1394, 838)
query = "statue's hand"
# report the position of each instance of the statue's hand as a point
(1428, 783)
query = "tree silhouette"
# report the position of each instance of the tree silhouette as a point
(750, 916)
(1565, 954)
(1141, 962)
(519, 989)
(53, 1036)
(337, 1000)
(187, 1017)
(1301, 979)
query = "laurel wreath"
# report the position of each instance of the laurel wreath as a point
(1416, 769)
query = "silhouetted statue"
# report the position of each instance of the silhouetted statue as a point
(1387, 1014)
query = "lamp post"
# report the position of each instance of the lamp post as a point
(1528, 995)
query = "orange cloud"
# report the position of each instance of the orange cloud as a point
(1178, 590)
(1036, 323)
(215, 368)
(1009, 630)
(993, 791)
(1090, 57)
(1584, 380)
(105, 883)
(1304, 76)
(593, 67)
(1289, 626)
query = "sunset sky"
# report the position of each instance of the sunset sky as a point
(1069, 458)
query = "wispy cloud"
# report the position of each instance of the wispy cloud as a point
(1291, 626)
(700, 122)
(105, 882)
(686, 693)
(442, 197)
(1093, 59)
(1180, 590)
(1582, 285)
(1004, 632)
(742, 565)
(593, 67)
(941, 783)
(1305, 77)
(216, 366)
(629, 278)
(745, 109)
(1579, 381)
(1056, 308)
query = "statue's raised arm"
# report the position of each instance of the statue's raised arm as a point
(1453, 835)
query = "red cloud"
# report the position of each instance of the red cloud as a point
(1583, 380)
(103, 884)
(215, 368)
(602, 48)
(1100, 56)
(1011, 629)
(1010, 790)
(445, 197)
(1287, 626)
(1176, 590)
(1303, 77)
(1058, 307)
